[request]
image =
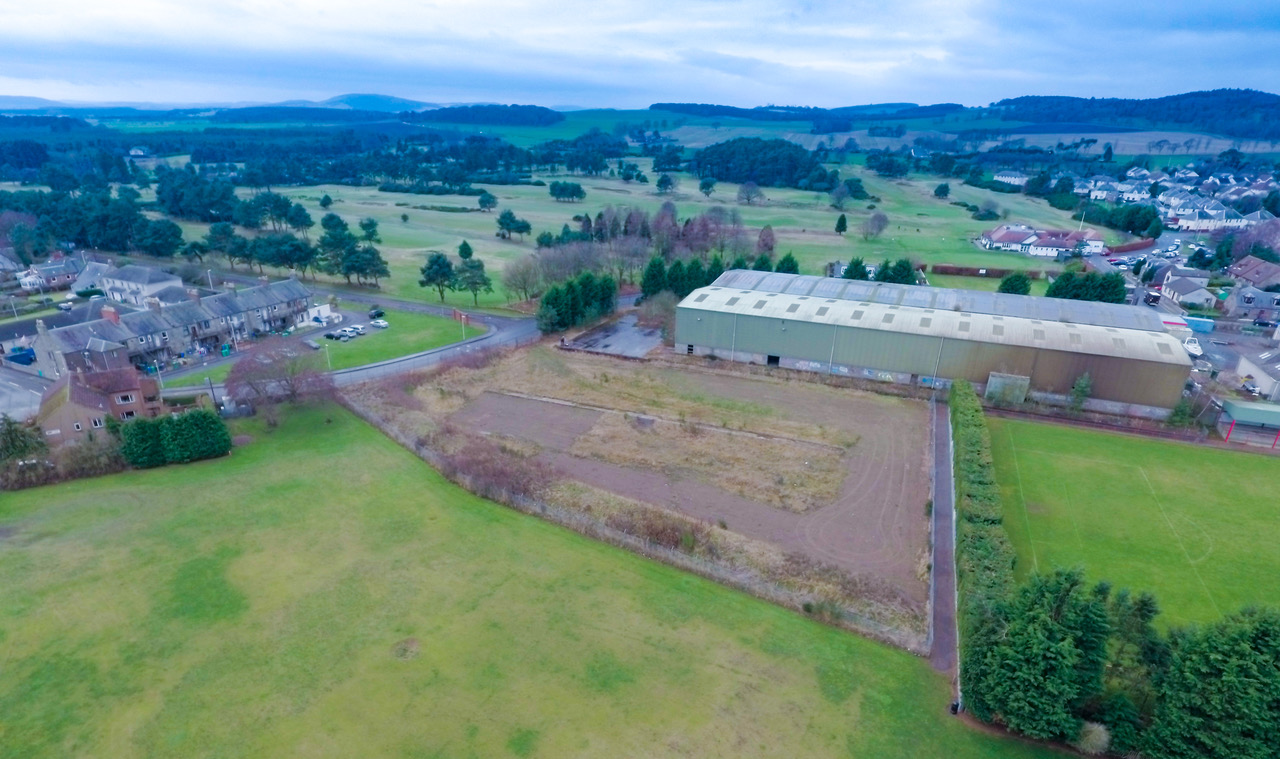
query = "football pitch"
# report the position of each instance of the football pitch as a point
(1196, 526)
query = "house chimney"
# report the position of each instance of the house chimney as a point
(110, 314)
(194, 294)
(153, 304)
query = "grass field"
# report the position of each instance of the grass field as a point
(922, 227)
(322, 592)
(1196, 526)
(408, 333)
(987, 284)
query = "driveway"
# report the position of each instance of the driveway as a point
(20, 393)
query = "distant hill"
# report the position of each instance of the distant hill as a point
(24, 103)
(498, 115)
(297, 114)
(1243, 114)
(785, 112)
(361, 102)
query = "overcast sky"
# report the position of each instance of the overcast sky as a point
(611, 53)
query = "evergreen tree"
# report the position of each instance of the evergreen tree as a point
(762, 263)
(695, 276)
(654, 279)
(437, 272)
(1017, 283)
(464, 251)
(715, 268)
(471, 277)
(676, 281)
(857, 269)
(1220, 696)
(788, 265)
(842, 224)
(739, 262)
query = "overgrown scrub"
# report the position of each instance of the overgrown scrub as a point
(494, 472)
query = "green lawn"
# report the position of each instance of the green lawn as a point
(987, 284)
(1196, 526)
(408, 333)
(322, 592)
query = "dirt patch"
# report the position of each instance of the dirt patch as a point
(405, 649)
(789, 474)
(240, 441)
(680, 439)
(7, 531)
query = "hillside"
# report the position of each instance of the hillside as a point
(1244, 114)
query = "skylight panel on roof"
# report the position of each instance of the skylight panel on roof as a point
(822, 310)
(760, 304)
(791, 309)
(700, 298)
(732, 301)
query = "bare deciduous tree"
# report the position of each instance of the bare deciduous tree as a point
(874, 225)
(277, 369)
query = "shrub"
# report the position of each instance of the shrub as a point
(492, 472)
(1094, 739)
(195, 435)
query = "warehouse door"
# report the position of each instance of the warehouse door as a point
(773, 360)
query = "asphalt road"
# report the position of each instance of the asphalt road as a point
(20, 393)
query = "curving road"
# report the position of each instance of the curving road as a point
(501, 332)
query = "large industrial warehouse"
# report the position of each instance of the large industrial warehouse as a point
(1021, 346)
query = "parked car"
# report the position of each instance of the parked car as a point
(1250, 387)
(376, 313)
(379, 323)
(331, 335)
(346, 333)
(1260, 322)
(358, 329)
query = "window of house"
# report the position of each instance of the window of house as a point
(78, 427)
(205, 324)
(127, 415)
(125, 398)
(97, 422)
(1248, 299)
(164, 336)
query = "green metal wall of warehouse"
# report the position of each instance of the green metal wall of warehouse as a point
(1126, 366)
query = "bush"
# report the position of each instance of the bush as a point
(195, 435)
(492, 472)
(1094, 739)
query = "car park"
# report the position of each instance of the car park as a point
(379, 323)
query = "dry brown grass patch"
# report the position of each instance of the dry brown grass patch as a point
(785, 473)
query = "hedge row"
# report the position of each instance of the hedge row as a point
(195, 435)
(984, 555)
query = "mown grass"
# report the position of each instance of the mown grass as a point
(322, 592)
(409, 333)
(986, 284)
(1194, 525)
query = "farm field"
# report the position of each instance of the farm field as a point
(322, 592)
(1195, 526)
(408, 333)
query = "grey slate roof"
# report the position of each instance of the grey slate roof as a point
(946, 299)
(1183, 286)
(141, 275)
(179, 316)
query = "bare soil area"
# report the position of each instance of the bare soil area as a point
(859, 505)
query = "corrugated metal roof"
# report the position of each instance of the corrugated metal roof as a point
(1133, 344)
(1253, 412)
(947, 299)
